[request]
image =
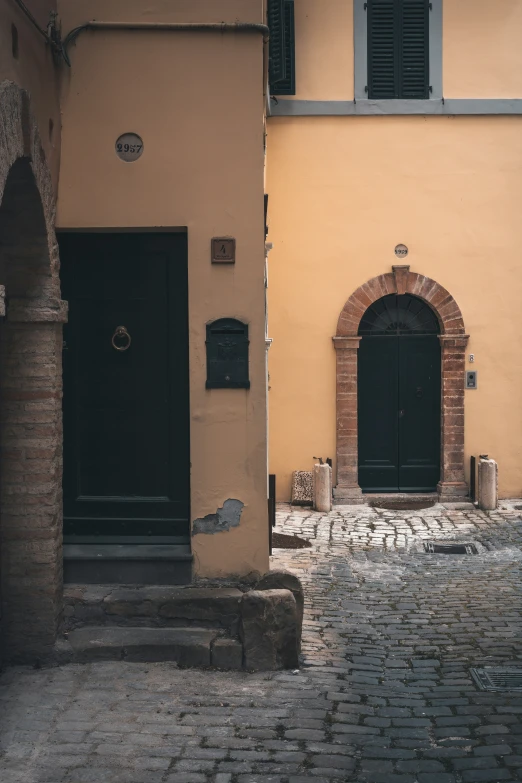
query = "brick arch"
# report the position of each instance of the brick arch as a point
(21, 141)
(453, 338)
(30, 388)
(401, 281)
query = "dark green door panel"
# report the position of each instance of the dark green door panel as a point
(126, 413)
(419, 413)
(399, 396)
(377, 413)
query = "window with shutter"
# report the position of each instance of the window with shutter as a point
(398, 49)
(282, 47)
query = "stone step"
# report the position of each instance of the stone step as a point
(152, 606)
(111, 563)
(192, 647)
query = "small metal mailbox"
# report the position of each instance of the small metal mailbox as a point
(227, 354)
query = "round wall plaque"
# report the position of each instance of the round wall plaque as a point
(129, 147)
(401, 251)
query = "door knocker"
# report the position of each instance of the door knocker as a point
(122, 334)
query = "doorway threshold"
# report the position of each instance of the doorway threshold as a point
(401, 501)
(371, 496)
(110, 563)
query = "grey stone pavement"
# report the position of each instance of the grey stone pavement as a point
(384, 693)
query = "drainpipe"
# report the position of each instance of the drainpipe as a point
(211, 27)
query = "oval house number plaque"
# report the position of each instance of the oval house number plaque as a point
(401, 251)
(129, 147)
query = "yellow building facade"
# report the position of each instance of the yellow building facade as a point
(135, 151)
(352, 176)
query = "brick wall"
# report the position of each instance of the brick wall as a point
(30, 391)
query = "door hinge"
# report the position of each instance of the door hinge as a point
(365, 6)
(366, 89)
(430, 88)
(430, 6)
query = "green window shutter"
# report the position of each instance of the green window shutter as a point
(383, 61)
(286, 84)
(414, 54)
(398, 48)
(276, 23)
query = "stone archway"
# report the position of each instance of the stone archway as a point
(452, 485)
(30, 389)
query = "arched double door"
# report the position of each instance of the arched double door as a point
(399, 396)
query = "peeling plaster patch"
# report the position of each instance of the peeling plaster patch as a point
(226, 517)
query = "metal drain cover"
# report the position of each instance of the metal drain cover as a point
(498, 678)
(450, 549)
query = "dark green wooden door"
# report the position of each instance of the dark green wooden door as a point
(399, 404)
(378, 409)
(419, 413)
(126, 398)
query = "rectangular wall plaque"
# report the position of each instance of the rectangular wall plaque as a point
(223, 250)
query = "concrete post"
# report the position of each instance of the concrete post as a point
(487, 484)
(322, 488)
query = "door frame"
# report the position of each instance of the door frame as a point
(452, 485)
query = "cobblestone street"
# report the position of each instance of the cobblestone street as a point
(384, 694)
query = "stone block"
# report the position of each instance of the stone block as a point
(218, 604)
(487, 484)
(302, 488)
(153, 605)
(322, 488)
(269, 630)
(186, 646)
(285, 580)
(227, 654)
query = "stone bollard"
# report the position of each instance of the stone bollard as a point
(487, 484)
(322, 488)
(285, 580)
(269, 630)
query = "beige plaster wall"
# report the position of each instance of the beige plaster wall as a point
(343, 193)
(482, 52)
(323, 50)
(483, 48)
(80, 11)
(197, 101)
(34, 71)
